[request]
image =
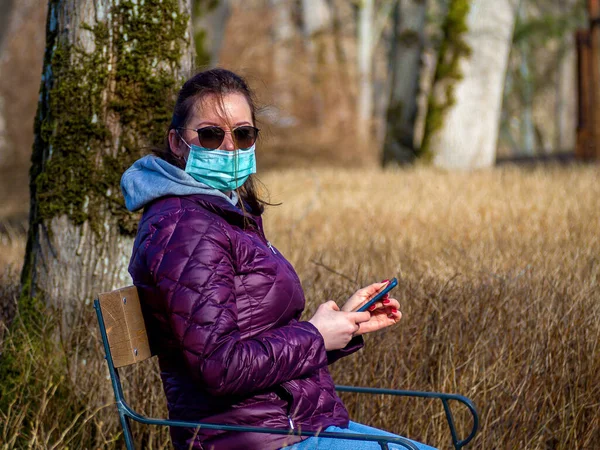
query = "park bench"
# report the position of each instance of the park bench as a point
(125, 342)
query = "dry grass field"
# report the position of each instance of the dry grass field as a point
(498, 272)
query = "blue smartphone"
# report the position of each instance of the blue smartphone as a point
(384, 290)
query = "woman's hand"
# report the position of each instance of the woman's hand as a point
(383, 313)
(338, 327)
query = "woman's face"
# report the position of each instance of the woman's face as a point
(231, 112)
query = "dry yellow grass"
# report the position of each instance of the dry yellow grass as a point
(498, 276)
(12, 247)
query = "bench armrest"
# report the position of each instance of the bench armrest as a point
(458, 444)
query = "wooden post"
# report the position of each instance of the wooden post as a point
(588, 60)
(594, 14)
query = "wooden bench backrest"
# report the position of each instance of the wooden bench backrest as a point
(125, 327)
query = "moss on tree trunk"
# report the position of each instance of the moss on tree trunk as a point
(447, 72)
(100, 110)
(107, 91)
(104, 108)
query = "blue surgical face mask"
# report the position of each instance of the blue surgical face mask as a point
(223, 170)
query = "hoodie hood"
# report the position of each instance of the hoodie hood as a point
(151, 177)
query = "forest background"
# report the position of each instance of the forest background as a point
(498, 266)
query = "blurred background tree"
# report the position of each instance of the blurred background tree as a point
(346, 82)
(540, 95)
(209, 21)
(465, 102)
(405, 55)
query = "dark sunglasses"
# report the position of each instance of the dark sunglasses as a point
(212, 137)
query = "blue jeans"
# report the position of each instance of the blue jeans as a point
(320, 443)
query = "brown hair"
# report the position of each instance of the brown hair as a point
(218, 82)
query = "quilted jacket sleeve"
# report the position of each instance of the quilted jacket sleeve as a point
(192, 265)
(354, 345)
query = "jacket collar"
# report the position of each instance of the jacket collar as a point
(225, 209)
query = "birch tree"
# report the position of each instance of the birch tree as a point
(110, 68)
(469, 128)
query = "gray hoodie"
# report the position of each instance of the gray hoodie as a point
(152, 177)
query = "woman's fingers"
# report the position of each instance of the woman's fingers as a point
(394, 314)
(372, 289)
(386, 303)
(363, 295)
(330, 304)
(381, 318)
(380, 315)
(338, 327)
(359, 317)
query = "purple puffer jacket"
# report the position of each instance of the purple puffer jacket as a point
(222, 308)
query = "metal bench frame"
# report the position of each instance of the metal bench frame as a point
(126, 412)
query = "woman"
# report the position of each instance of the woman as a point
(222, 305)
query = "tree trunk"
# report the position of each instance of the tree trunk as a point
(365, 61)
(3, 140)
(316, 16)
(594, 14)
(6, 7)
(316, 22)
(21, 52)
(527, 125)
(209, 19)
(282, 39)
(105, 92)
(566, 101)
(405, 62)
(469, 132)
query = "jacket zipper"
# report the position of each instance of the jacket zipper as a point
(287, 395)
(264, 238)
